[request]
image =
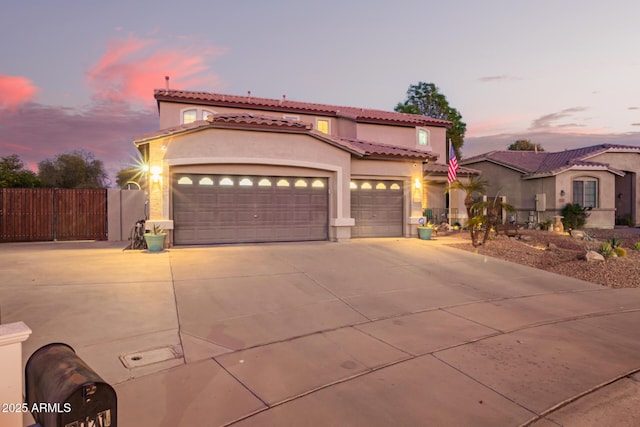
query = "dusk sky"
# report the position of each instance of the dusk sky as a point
(80, 74)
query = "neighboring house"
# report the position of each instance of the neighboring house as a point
(539, 184)
(230, 169)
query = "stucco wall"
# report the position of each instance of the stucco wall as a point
(171, 115)
(224, 146)
(602, 216)
(629, 187)
(405, 137)
(521, 193)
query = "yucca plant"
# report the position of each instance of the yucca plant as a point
(606, 250)
(615, 242)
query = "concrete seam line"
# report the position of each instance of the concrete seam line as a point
(577, 397)
(175, 302)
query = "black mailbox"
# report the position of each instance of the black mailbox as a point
(63, 391)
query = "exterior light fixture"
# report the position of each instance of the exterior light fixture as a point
(417, 193)
(155, 173)
(562, 193)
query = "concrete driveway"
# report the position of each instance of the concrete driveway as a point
(373, 332)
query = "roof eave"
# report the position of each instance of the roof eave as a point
(496, 162)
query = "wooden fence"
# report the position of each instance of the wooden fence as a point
(42, 214)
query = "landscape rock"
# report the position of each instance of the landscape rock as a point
(593, 256)
(577, 234)
(552, 246)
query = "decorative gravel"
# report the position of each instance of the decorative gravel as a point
(561, 254)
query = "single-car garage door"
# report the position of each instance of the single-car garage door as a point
(376, 207)
(242, 209)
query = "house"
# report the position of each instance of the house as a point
(231, 169)
(539, 184)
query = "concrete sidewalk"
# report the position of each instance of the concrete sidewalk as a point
(372, 332)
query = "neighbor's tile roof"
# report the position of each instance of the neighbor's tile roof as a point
(532, 164)
(440, 169)
(257, 122)
(284, 105)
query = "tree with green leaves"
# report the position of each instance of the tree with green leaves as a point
(425, 99)
(525, 145)
(14, 175)
(78, 169)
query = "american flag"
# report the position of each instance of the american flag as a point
(453, 165)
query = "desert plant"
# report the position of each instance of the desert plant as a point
(156, 229)
(615, 242)
(546, 225)
(621, 252)
(625, 220)
(606, 250)
(636, 246)
(574, 216)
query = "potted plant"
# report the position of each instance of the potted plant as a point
(425, 231)
(155, 238)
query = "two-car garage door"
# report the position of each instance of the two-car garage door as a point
(238, 209)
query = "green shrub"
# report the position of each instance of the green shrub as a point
(636, 246)
(625, 220)
(606, 250)
(574, 216)
(621, 252)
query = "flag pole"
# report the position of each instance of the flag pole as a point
(449, 183)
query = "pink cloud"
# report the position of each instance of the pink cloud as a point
(15, 90)
(132, 67)
(103, 129)
(494, 126)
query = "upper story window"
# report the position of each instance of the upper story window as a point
(323, 126)
(192, 114)
(189, 116)
(423, 137)
(585, 192)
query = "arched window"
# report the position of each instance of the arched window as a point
(585, 192)
(206, 114)
(189, 116)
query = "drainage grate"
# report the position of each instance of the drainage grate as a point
(149, 357)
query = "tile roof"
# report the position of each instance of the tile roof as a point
(284, 105)
(257, 122)
(373, 149)
(227, 120)
(534, 164)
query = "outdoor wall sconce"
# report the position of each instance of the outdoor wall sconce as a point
(155, 173)
(417, 186)
(562, 193)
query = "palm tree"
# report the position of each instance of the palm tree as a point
(488, 215)
(482, 214)
(474, 186)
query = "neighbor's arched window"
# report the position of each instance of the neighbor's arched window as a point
(585, 192)
(189, 116)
